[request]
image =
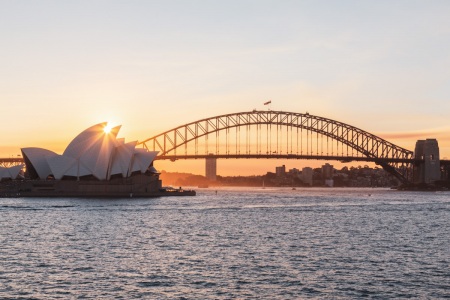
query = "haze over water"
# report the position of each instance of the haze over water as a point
(240, 243)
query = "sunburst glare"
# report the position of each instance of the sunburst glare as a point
(107, 128)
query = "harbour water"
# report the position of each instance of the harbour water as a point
(246, 243)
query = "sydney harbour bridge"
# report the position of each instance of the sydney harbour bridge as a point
(277, 135)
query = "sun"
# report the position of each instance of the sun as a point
(107, 129)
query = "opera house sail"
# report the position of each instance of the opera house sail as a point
(95, 164)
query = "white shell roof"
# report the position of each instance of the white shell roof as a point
(60, 165)
(11, 172)
(38, 158)
(122, 158)
(84, 140)
(142, 160)
(92, 152)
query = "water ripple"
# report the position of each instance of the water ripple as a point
(240, 243)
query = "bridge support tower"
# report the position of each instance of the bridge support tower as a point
(429, 170)
(211, 168)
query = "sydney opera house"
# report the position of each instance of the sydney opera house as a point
(95, 163)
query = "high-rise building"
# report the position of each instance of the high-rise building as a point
(280, 171)
(294, 172)
(307, 175)
(211, 168)
(327, 171)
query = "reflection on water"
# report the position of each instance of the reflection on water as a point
(238, 243)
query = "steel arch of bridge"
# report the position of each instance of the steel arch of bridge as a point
(394, 159)
(10, 162)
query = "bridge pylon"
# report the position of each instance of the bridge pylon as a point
(211, 168)
(427, 169)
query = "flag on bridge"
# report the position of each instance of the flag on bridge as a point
(268, 102)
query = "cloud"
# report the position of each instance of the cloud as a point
(443, 134)
(408, 139)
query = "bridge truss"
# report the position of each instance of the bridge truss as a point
(10, 162)
(278, 134)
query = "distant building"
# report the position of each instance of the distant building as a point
(329, 182)
(327, 171)
(307, 175)
(294, 172)
(429, 170)
(211, 168)
(280, 171)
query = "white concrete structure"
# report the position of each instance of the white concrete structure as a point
(10, 173)
(94, 152)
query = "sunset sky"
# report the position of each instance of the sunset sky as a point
(382, 66)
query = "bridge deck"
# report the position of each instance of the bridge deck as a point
(444, 162)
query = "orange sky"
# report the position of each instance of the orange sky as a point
(229, 167)
(154, 65)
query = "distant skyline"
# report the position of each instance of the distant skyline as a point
(150, 66)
